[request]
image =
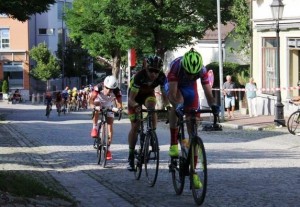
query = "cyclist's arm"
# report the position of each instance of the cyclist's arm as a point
(165, 97)
(175, 96)
(208, 93)
(92, 98)
(131, 98)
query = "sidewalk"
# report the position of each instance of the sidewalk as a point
(262, 122)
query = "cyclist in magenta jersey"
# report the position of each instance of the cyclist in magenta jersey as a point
(182, 90)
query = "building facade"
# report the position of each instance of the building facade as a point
(265, 54)
(14, 56)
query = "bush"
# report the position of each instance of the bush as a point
(5, 86)
(240, 73)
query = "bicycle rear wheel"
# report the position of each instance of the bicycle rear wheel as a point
(178, 178)
(47, 111)
(198, 170)
(293, 123)
(151, 158)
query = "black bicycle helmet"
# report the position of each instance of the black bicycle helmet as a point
(154, 62)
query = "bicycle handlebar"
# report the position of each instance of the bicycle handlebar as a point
(105, 110)
(202, 111)
(154, 110)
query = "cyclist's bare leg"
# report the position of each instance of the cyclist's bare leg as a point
(173, 126)
(133, 133)
(110, 122)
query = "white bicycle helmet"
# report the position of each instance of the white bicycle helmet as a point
(110, 82)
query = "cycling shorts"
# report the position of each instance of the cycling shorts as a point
(145, 100)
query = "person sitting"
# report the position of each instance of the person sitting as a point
(17, 96)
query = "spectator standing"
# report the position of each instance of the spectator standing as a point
(251, 97)
(230, 96)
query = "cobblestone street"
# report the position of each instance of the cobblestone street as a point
(245, 167)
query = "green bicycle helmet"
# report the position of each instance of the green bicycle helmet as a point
(192, 62)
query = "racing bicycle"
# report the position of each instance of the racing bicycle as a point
(101, 142)
(192, 158)
(148, 152)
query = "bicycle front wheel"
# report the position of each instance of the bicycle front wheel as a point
(178, 177)
(151, 158)
(104, 143)
(293, 123)
(198, 170)
(139, 156)
(98, 145)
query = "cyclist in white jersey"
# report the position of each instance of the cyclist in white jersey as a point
(109, 97)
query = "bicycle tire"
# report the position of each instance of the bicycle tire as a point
(138, 157)
(99, 145)
(104, 143)
(198, 167)
(151, 158)
(178, 178)
(293, 123)
(47, 111)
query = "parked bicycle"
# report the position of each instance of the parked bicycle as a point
(101, 142)
(192, 159)
(293, 123)
(148, 152)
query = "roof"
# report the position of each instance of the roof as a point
(213, 34)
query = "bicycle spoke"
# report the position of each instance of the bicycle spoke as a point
(198, 170)
(151, 158)
(178, 178)
(103, 136)
(138, 159)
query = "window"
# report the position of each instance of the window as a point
(45, 31)
(4, 38)
(269, 50)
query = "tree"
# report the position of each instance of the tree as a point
(47, 66)
(111, 27)
(5, 87)
(76, 60)
(23, 9)
(241, 17)
(94, 24)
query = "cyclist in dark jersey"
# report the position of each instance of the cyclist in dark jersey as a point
(141, 92)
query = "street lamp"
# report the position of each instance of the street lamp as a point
(277, 10)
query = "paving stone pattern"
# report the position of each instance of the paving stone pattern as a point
(245, 167)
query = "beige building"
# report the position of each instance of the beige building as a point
(14, 57)
(265, 55)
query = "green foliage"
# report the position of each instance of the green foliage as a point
(47, 66)
(76, 59)
(23, 9)
(110, 27)
(5, 87)
(240, 73)
(240, 12)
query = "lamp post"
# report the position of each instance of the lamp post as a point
(277, 10)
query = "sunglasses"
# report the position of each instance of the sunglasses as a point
(151, 70)
(108, 88)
